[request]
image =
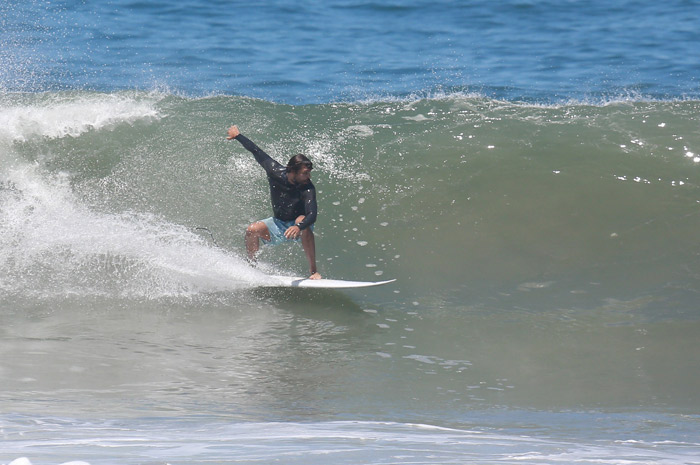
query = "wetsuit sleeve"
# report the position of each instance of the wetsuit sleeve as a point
(267, 162)
(310, 208)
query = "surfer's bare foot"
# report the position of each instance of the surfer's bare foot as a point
(315, 276)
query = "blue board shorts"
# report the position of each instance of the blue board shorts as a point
(277, 227)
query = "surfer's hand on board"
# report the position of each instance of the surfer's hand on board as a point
(233, 132)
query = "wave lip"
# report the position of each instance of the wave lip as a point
(56, 116)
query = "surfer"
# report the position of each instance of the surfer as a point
(293, 203)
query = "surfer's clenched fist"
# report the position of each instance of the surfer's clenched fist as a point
(233, 132)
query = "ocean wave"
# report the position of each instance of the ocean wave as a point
(532, 193)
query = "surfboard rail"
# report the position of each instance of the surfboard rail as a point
(295, 281)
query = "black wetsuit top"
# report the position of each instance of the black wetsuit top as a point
(288, 200)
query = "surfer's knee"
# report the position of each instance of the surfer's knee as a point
(257, 229)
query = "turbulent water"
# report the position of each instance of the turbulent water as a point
(541, 227)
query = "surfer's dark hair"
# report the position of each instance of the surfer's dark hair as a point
(298, 162)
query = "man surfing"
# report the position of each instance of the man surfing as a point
(294, 206)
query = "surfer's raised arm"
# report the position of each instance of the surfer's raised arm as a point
(266, 161)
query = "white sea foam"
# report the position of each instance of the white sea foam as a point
(26, 461)
(69, 115)
(370, 442)
(49, 238)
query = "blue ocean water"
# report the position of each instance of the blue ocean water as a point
(528, 171)
(315, 52)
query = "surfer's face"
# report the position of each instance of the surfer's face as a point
(302, 176)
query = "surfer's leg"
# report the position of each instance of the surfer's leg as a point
(308, 241)
(253, 234)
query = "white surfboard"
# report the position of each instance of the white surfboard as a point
(292, 281)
